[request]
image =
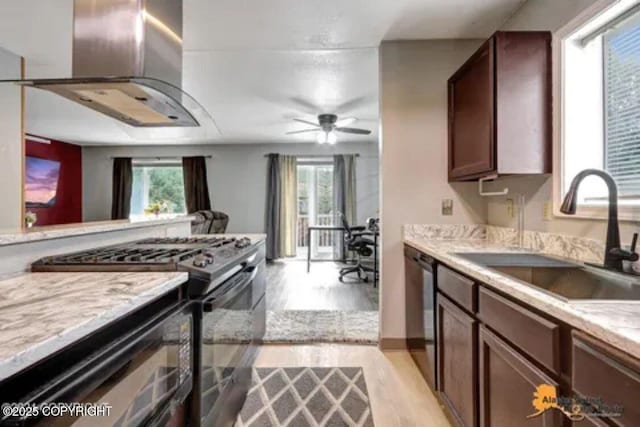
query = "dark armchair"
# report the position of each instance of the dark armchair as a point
(209, 222)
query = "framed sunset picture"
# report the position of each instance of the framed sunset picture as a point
(41, 182)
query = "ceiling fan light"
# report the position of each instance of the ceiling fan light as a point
(332, 138)
(322, 137)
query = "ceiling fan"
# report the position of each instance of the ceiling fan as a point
(327, 126)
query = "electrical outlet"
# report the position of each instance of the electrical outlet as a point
(447, 207)
(510, 209)
(547, 211)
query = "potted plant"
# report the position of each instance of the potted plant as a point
(30, 218)
(156, 207)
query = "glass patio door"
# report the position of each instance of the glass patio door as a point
(315, 207)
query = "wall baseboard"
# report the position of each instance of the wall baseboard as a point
(393, 344)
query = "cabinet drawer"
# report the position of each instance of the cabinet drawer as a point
(535, 335)
(458, 288)
(607, 374)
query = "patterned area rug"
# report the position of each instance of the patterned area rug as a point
(307, 397)
(309, 326)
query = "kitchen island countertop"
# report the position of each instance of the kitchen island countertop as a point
(42, 313)
(13, 237)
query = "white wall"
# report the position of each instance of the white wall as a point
(236, 175)
(10, 143)
(546, 15)
(413, 100)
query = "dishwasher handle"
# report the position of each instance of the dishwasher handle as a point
(423, 260)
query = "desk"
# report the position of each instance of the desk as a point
(321, 228)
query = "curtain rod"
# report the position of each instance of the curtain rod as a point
(158, 157)
(306, 156)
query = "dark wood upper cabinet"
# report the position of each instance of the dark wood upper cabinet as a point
(500, 108)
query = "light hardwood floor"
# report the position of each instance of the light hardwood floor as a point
(290, 287)
(399, 395)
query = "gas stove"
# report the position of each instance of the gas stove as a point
(207, 258)
(226, 289)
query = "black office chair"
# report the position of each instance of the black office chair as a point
(355, 241)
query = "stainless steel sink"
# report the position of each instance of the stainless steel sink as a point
(564, 279)
(498, 259)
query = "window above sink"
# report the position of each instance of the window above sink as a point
(597, 83)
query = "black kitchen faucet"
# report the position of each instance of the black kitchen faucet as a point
(614, 254)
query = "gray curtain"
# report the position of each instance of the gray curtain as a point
(121, 188)
(273, 207)
(344, 191)
(196, 188)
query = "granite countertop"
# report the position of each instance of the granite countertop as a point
(12, 237)
(41, 313)
(616, 323)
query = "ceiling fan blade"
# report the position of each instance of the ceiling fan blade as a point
(346, 121)
(354, 130)
(307, 122)
(302, 131)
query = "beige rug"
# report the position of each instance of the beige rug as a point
(322, 326)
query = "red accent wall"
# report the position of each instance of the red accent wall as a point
(68, 207)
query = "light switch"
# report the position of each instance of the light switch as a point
(447, 207)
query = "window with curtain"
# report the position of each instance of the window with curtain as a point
(157, 185)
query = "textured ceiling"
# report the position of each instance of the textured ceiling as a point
(253, 64)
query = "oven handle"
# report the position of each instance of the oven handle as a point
(250, 259)
(209, 305)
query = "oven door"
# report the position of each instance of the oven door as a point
(227, 340)
(142, 378)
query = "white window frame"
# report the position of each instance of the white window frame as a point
(594, 16)
(150, 162)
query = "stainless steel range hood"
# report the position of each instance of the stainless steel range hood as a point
(127, 63)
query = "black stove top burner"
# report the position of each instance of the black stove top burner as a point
(153, 254)
(211, 241)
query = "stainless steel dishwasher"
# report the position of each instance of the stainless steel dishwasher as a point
(420, 294)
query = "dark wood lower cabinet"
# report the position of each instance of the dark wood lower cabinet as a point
(494, 351)
(608, 374)
(457, 361)
(507, 383)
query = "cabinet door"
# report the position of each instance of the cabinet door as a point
(603, 372)
(471, 117)
(457, 361)
(507, 383)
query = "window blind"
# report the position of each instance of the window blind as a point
(622, 105)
